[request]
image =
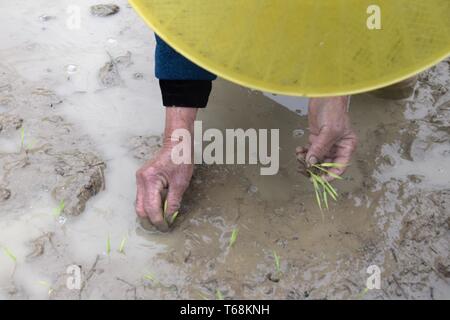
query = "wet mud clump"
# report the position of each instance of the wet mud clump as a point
(42, 154)
(83, 178)
(109, 74)
(104, 10)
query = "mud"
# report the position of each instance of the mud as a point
(109, 74)
(104, 10)
(68, 137)
(399, 223)
(47, 152)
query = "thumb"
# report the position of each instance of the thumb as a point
(321, 145)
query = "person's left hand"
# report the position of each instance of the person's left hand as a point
(331, 137)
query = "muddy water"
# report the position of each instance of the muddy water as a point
(393, 210)
(397, 174)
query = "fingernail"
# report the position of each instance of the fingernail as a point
(312, 160)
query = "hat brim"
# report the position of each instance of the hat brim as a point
(304, 47)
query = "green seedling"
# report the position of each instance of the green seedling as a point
(108, 245)
(322, 188)
(233, 237)
(219, 295)
(277, 262)
(22, 141)
(58, 210)
(363, 293)
(332, 165)
(122, 244)
(327, 172)
(8, 253)
(22, 137)
(165, 207)
(170, 220)
(325, 198)
(150, 277)
(201, 295)
(317, 190)
(46, 285)
(174, 216)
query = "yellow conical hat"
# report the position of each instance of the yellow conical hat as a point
(305, 47)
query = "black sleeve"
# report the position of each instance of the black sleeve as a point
(185, 93)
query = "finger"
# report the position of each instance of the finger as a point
(301, 155)
(321, 145)
(331, 154)
(336, 171)
(344, 160)
(153, 203)
(329, 158)
(140, 188)
(343, 156)
(300, 150)
(174, 197)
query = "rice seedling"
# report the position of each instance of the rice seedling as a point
(150, 277)
(165, 207)
(277, 262)
(108, 245)
(233, 237)
(322, 188)
(201, 295)
(322, 167)
(22, 141)
(9, 254)
(174, 216)
(46, 285)
(170, 220)
(22, 137)
(59, 209)
(122, 245)
(362, 294)
(219, 295)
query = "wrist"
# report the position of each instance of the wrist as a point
(178, 118)
(336, 103)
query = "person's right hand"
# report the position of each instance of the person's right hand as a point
(161, 176)
(331, 138)
(154, 179)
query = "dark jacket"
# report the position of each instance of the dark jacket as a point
(183, 83)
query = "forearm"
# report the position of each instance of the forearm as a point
(328, 112)
(341, 103)
(179, 118)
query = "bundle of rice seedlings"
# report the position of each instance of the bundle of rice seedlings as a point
(322, 188)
